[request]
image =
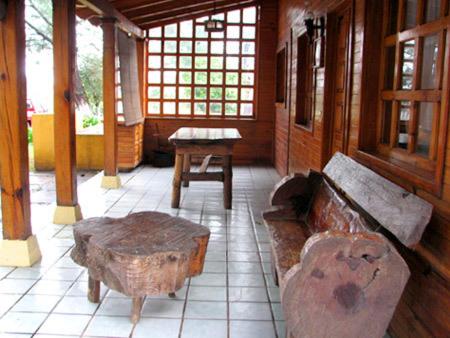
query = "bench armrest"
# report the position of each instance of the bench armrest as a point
(294, 193)
(346, 285)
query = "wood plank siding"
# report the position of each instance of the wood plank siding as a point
(423, 310)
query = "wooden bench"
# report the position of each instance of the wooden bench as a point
(338, 276)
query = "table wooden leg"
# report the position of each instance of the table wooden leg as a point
(93, 290)
(186, 168)
(177, 181)
(137, 308)
(227, 182)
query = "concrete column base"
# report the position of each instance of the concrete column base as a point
(111, 182)
(67, 215)
(19, 253)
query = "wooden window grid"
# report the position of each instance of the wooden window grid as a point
(244, 68)
(401, 83)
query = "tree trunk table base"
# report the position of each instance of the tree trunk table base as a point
(143, 254)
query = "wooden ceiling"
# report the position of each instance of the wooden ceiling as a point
(150, 13)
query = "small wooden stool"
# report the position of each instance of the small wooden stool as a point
(147, 253)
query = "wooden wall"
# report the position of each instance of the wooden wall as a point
(257, 143)
(424, 308)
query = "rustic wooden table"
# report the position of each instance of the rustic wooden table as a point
(147, 253)
(207, 142)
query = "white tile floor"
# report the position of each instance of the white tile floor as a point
(234, 298)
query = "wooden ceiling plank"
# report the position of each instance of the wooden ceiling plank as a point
(219, 6)
(186, 5)
(106, 9)
(125, 6)
(192, 15)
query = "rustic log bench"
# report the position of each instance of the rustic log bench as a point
(147, 253)
(338, 276)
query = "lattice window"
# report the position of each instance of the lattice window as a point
(193, 73)
(411, 106)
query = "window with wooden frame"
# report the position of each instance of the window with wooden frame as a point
(305, 82)
(412, 106)
(281, 76)
(194, 73)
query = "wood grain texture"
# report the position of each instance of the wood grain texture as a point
(328, 262)
(331, 211)
(186, 169)
(64, 53)
(402, 213)
(204, 141)
(204, 135)
(346, 285)
(130, 143)
(422, 309)
(14, 178)
(109, 97)
(146, 253)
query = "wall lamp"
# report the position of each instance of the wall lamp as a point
(311, 27)
(3, 9)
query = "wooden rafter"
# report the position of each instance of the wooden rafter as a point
(105, 9)
(134, 16)
(186, 5)
(180, 15)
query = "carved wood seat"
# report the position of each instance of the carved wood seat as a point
(339, 277)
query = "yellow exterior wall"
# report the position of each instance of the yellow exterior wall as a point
(89, 146)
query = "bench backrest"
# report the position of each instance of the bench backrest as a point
(400, 212)
(330, 211)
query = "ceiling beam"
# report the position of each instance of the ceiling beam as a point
(128, 5)
(181, 11)
(171, 18)
(186, 5)
(105, 9)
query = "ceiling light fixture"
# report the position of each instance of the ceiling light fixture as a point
(214, 25)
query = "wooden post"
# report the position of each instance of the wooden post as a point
(110, 179)
(18, 247)
(64, 53)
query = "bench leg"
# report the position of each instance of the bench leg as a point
(186, 168)
(177, 181)
(136, 310)
(227, 182)
(93, 290)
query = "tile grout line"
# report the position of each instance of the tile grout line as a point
(250, 210)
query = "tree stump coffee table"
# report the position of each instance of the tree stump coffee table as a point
(147, 253)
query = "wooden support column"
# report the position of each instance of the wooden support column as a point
(64, 54)
(110, 178)
(18, 247)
